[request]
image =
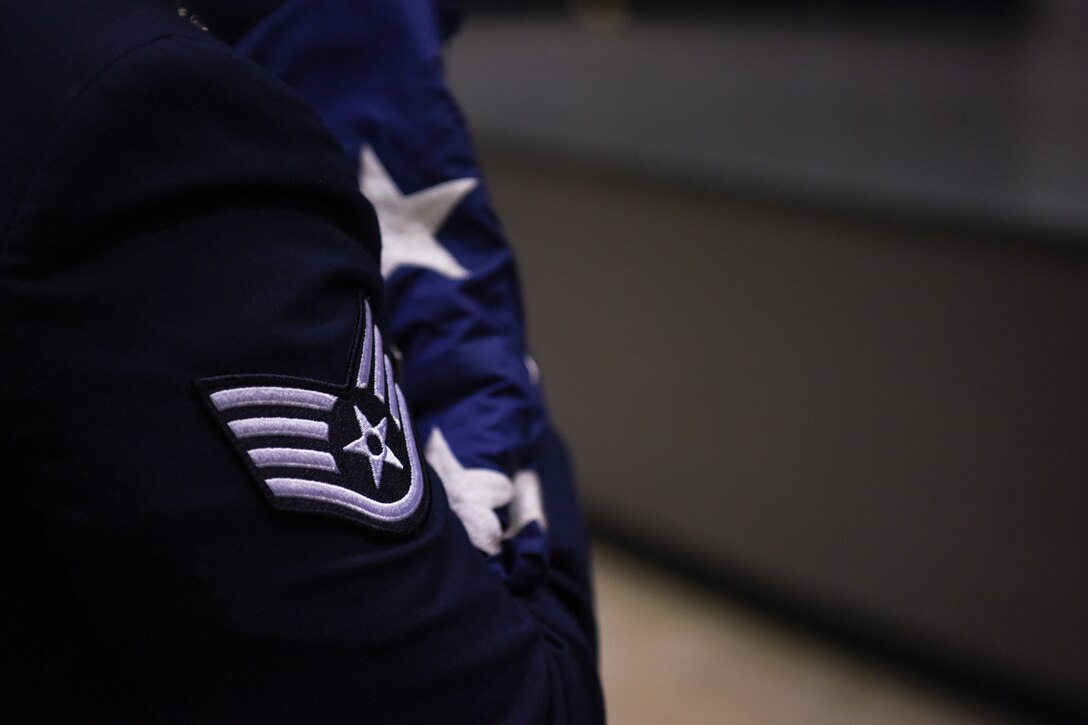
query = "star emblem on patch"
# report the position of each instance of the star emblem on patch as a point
(346, 449)
(409, 223)
(371, 443)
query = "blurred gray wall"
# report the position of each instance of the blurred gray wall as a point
(811, 304)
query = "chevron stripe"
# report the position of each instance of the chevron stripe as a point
(268, 395)
(394, 408)
(363, 376)
(328, 493)
(300, 427)
(293, 458)
(394, 399)
(379, 366)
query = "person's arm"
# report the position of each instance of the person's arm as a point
(191, 221)
(373, 70)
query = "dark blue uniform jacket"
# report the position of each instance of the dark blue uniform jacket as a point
(213, 507)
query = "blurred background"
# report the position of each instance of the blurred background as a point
(808, 283)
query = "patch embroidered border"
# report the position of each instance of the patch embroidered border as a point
(347, 450)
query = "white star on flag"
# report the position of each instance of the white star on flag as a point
(475, 493)
(409, 222)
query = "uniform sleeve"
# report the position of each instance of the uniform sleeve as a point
(453, 306)
(374, 72)
(193, 232)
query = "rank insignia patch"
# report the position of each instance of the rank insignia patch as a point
(347, 450)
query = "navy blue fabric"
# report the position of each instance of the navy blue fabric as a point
(373, 70)
(170, 212)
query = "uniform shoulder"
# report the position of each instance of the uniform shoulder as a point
(68, 41)
(156, 116)
(59, 46)
(54, 50)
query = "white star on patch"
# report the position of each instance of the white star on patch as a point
(409, 222)
(361, 446)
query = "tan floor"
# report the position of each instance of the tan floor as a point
(673, 654)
